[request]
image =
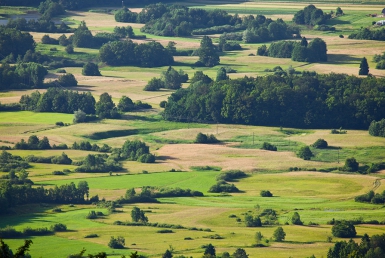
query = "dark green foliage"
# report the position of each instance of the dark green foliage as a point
(262, 51)
(173, 79)
(266, 193)
(69, 49)
(377, 128)
(125, 104)
(91, 69)
(117, 243)
(221, 74)
(311, 15)
(223, 187)
(368, 34)
(279, 234)
(252, 221)
(63, 159)
(125, 15)
(99, 163)
(351, 165)
(58, 100)
(208, 55)
(67, 80)
(151, 54)
(6, 252)
(199, 76)
(46, 39)
(281, 49)
(305, 153)
(167, 254)
(269, 146)
(164, 231)
(86, 145)
(296, 219)
(34, 143)
(344, 229)
(10, 162)
(371, 197)
(231, 175)
(364, 67)
(15, 42)
(79, 116)
(59, 227)
(135, 150)
(240, 253)
(82, 36)
(210, 250)
(137, 215)
(154, 84)
(320, 144)
(204, 138)
(105, 107)
(123, 32)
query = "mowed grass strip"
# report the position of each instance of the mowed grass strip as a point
(35, 118)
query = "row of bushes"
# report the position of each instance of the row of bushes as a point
(10, 232)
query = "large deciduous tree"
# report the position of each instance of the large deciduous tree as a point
(208, 55)
(105, 107)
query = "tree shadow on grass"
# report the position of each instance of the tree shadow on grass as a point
(337, 22)
(342, 59)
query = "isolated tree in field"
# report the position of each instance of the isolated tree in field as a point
(79, 116)
(209, 251)
(207, 53)
(240, 253)
(117, 243)
(167, 254)
(296, 219)
(258, 238)
(318, 50)
(91, 69)
(126, 104)
(320, 144)
(344, 229)
(137, 215)
(67, 80)
(305, 153)
(266, 193)
(154, 84)
(251, 221)
(364, 67)
(351, 165)
(279, 235)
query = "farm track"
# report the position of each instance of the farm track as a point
(376, 184)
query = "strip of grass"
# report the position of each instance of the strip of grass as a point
(34, 118)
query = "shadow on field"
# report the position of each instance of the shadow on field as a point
(342, 59)
(164, 158)
(81, 88)
(337, 22)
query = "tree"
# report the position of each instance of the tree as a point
(266, 193)
(82, 36)
(251, 221)
(67, 80)
(296, 219)
(305, 153)
(364, 67)
(279, 235)
(339, 11)
(105, 107)
(79, 116)
(167, 254)
(207, 53)
(240, 253)
(91, 69)
(344, 229)
(351, 165)
(320, 144)
(173, 79)
(117, 243)
(137, 215)
(31, 74)
(258, 238)
(210, 251)
(318, 50)
(126, 104)
(221, 74)
(154, 84)
(69, 49)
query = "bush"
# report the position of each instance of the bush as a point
(59, 227)
(266, 193)
(117, 243)
(268, 146)
(377, 128)
(91, 69)
(344, 229)
(91, 236)
(351, 165)
(204, 138)
(163, 231)
(320, 144)
(231, 175)
(67, 80)
(305, 153)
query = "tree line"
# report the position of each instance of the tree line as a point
(308, 100)
(181, 21)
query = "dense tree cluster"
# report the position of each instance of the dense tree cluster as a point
(15, 42)
(58, 100)
(180, 21)
(99, 163)
(12, 195)
(377, 128)
(87, 146)
(9, 162)
(231, 175)
(373, 246)
(371, 197)
(308, 100)
(315, 51)
(135, 150)
(268, 146)
(41, 25)
(365, 33)
(62, 159)
(311, 15)
(22, 76)
(33, 143)
(105, 107)
(171, 79)
(320, 144)
(344, 229)
(150, 54)
(205, 138)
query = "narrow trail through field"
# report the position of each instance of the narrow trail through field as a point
(376, 184)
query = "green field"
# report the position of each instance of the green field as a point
(317, 196)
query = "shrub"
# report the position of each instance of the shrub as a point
(296, 219)
(344, 229)
(117, 243)
(351, 165)
(92, 215)
(91, 69)
(204, 138)
(377, 128)
(69, 49)
(67, 80)
(59, 227)
(163, 231)
(231, 175)
(268, 146)
(91, 236)
(266, 193)
(305, 153)
(320, 144)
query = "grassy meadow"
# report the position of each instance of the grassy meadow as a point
(317, 196)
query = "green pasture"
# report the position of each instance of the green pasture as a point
(24, 117)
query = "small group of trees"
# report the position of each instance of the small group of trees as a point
(315, 51)
(344, 229)
(137, 215)
(377, 128)
(170, 79)
(268, 146)
(367, 34)
(134, 150)
(305, 153)
(222, 185)
(22, 76)
(312, 15)
(33, 143)
(99, 163)
(371, 197)
(205, 138)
